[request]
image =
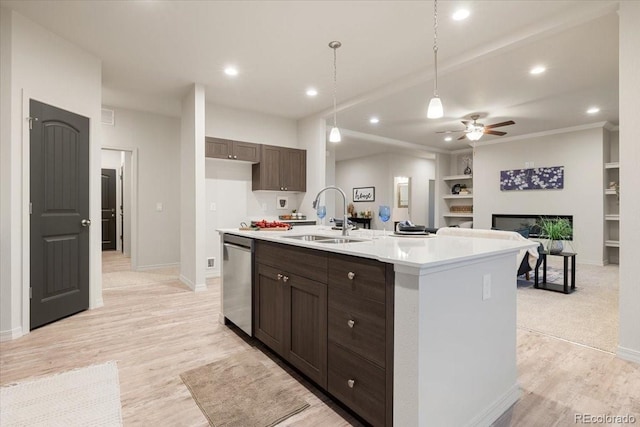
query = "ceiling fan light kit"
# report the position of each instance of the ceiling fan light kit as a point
(334, 135)
(435, 110)
(474, 130)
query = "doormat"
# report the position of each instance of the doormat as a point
(241, 391)
(87, 396)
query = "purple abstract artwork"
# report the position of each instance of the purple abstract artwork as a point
(549, 178)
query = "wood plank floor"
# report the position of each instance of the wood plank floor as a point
(156, 328)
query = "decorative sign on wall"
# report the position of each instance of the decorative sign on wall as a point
(364, 194)
(549, 178)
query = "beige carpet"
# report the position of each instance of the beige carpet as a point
(588, 316)
(81, 397)
(241, 391)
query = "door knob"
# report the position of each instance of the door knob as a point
(85, 222)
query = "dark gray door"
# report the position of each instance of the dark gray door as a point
(59, 181)
(108, 209)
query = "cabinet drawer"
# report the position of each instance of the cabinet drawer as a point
(368, 276)
(366, 394)
(294, 260)
(366, 334)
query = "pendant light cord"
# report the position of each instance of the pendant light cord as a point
(335, 90)
(435, 46)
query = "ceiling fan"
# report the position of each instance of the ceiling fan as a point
(474, 130)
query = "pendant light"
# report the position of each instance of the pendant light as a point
(435, 110)
(334, 135)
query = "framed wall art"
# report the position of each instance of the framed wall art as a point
(364, 194)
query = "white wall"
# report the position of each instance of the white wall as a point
(157, 141)
(112, 159)
(229, 199)
(378, 171)
(38, 64)
(629, 336)
(581, 154)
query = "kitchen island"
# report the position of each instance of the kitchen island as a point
(453, 319)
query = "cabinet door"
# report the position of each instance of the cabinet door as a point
(218, 148)
(294, 170)
(246, 151)
(269, 325)
(270, 163)
(306, 329)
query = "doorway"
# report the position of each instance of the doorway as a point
(59, 213)
(122, 163)
(109, 205)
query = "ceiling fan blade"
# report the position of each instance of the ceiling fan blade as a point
(497, 125)
(465, 122)
(462, 137)
(494, 132)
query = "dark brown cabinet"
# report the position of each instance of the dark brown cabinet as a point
(291, 310)
(219, 148)
(280, 169)
(360, 336)
(330, 316)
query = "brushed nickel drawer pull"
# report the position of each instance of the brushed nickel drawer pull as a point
(280, 276)
(285, 279)
(351, 383)
(351, 275)
(351, 323)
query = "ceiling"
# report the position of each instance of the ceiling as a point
(152, 51)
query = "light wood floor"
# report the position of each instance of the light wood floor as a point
(156, 328)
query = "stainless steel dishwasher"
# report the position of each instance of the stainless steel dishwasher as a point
(237, 274)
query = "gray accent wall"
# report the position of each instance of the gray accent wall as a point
(581, 154)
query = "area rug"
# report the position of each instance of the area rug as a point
(588, 316)
(241, 391)
(87, 396)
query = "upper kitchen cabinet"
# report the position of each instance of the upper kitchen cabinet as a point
(219, 148)
(280, 169)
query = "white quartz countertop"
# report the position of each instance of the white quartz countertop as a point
(411, 251)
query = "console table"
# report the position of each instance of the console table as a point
(366, 222)
(568, 271)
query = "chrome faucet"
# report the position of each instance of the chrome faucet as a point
(345, 221)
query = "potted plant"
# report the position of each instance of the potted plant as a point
(555, 230)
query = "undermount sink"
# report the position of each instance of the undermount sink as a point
(324, 239)
(309, 237)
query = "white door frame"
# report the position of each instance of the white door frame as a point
(134, 199)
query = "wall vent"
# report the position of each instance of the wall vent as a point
(211, 262)
(108, 117)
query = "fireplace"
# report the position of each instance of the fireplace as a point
(517, 222)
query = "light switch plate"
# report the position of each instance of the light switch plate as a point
(159, 206)
(486, 287)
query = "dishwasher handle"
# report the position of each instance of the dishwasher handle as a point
(241, 248)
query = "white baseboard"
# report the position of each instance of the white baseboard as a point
(628, 354)
(11, 334)
(196, 288)
(155, 266)
(97, 304)
(492, 412)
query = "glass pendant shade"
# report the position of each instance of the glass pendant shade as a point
(435, 110)
(476, 133)
(334, 136)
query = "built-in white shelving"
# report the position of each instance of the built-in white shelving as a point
(458, 215)
(457, 177)
(612, 204)
(458, 196)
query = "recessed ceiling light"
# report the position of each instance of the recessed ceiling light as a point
(231, 71)
(311, 92)
(374, 120)
(448, 138)
(460, 14)
(538, 69)
(593, 110)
